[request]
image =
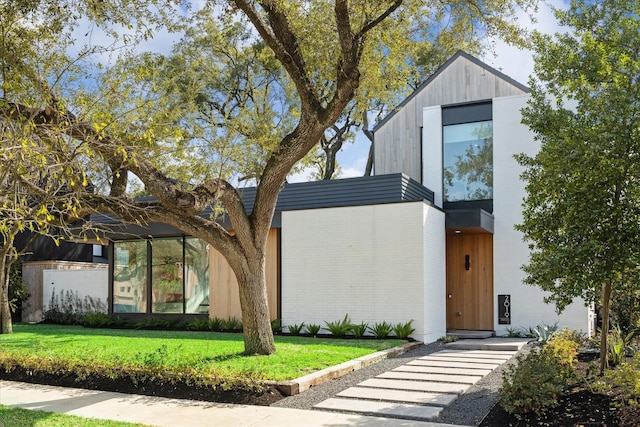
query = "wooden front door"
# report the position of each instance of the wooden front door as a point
(470, 281)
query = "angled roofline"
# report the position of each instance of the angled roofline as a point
(439, 71)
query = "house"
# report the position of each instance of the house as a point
(429, 238)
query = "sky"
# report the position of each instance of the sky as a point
(514, 62)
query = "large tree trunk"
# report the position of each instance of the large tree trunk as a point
(606, 302)
(256, 322)
(5, 311)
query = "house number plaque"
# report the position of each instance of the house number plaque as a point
(504, 309)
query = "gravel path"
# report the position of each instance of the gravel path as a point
(468, 409)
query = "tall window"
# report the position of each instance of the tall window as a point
(130, 277)
(179, 279)
(468, 161)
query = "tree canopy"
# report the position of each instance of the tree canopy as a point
(230, 101)
(583, 194)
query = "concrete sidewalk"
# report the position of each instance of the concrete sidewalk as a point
(158, 411)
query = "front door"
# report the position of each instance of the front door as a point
(469, 281)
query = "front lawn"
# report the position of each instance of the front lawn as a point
(17, 417)
(183, 354)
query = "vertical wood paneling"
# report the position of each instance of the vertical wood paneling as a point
(471, 302)
(397, 142)
(224, 299)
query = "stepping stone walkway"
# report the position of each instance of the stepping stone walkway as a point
(420, 389)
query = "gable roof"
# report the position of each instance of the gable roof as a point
(458, 54)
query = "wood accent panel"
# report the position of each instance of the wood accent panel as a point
(224, 299)
(471, 303)
(397, 142)
(32, 279)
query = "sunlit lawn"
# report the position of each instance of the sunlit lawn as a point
(17, 417)
(217, 353)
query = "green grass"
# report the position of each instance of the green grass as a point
(17, 417)
(196, 354)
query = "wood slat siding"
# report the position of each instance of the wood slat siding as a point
(397, 140)
(32, 278)
(224, 300)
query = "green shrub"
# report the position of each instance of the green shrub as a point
(17, 290)
(544, 332)
(627, 377)
(216, 324)
(534, 383)
(313, 329)
(68, 308)
(380, 330)
(231, 324)
(360, 329)
(276, 326)
(619, 345)
(403, 330)
(514, 332)
(295, 329)
(448, 338)
(97, 320)
(340, 328)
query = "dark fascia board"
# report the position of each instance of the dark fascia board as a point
(439, 71)
(360, 191)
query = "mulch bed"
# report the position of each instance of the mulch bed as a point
(176, 390)
(581, 406)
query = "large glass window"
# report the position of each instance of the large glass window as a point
(468, 161)
(167, 272)
(130, 277)
(179, 281)
(196, 257)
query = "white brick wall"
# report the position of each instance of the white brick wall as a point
(510, 252)
(89, 282)
(368, 262)
(432, 151)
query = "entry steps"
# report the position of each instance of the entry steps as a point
(420, 389)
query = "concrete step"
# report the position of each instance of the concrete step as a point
(439, 362)
(434, 358)
(434, 399)
(443, 378)
(442, 370)
(370, 407)
(492, 352)
(467, 334)
(506, 344)
(415, 385)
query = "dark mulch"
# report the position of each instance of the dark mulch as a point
(581, 406)
(177, 389)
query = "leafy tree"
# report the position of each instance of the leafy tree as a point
(583, 193)
(212, 101)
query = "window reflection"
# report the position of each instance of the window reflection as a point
(468, 161)
(130, 277)
(196, 256)
(167, 271)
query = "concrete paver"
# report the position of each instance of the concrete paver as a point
(474, 357)
(442, 370)
(453, 364)
(415, 385)
(496, 362)
(404, 410)
(437, 399)
(462, 379)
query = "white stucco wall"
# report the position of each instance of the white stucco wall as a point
(432, 151)
(510, 252)
(374, 263)
(90, 282)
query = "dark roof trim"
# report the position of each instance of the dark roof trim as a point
(439, 71)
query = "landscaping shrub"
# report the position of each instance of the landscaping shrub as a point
(231, 324)
(380, 330)
(340, 328)
(68, 308)
(536, 380)
(313, 329)
(403, 330)
(276, 326)
(295, 329)
(360, 329)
